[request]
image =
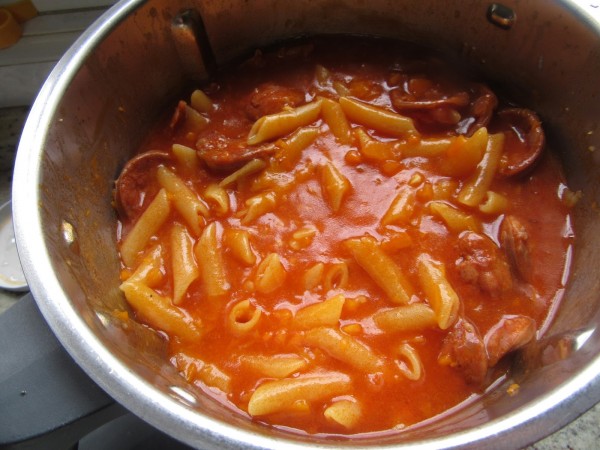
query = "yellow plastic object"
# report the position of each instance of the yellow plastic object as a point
(10, 30)
(22, 10)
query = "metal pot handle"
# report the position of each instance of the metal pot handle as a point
(46, 400)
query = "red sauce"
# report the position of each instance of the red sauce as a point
(369, 72)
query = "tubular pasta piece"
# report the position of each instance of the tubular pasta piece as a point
(147, 225)
(186, 157)
(159, 313)
(194, 369)
(441, 296)
(238, 241)
(376, 118)
(299, 407)
(426, 148)
(259, 205)
(416, 180)
(276, 366)
(313, 276)
(344, 348)
(270, 274)
(334, 185)
(397, 241)
(184, 199)
(325, 313)
(455, 219)
(185, 269)
(346, 413)
(188, 366)
(243, 317)
(201, 102)
(353, 329)
(334, 117)
(277, 125)
(376, 150)
(148, 272)
(249, 168)
(292, 147)
(303, 237)
(401, 209)
(413, 317)
(381, 268)
(194, 121)
(336, 276)
(444, 189)
(280, 395)
(279, 180)
(353, 303)
(211, 375)
(409, 362)
(209, 256)
(474, 190)
(464, 154)
(218, 197)
(493, 203)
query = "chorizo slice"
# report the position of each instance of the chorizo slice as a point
(222, 154)
(509, 334)
(271, 98)
(404, 101)
(514, 240)
(482, 108)
(138, 175)
(463, 349)
(524, 141)
(178, 115)
(466, 109)
(483, 264)
(430, 101)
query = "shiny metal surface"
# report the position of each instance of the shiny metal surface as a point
(12, 277)
(102, 96)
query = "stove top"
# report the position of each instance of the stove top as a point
(128, 433)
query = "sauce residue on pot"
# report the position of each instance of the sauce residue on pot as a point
(344, 236)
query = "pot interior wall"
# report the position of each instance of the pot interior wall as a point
(548, 60)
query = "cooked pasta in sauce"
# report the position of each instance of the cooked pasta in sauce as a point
(344, 236)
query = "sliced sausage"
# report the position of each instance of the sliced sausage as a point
(511, 333)
(483, 264)
(402, 100)
(136, 177)
(271, 98)
(178, 114)
(464, 349)
(482, 108)
(524, 140)
(514, 240)
(224, 154)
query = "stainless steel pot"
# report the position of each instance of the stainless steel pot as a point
(107, 90)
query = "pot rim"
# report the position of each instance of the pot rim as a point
(521, 427)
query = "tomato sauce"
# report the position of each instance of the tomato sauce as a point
(443, 103)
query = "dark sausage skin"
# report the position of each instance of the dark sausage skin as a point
(511, 333)
(137, 176)
(463, 349)
(483, 264)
